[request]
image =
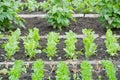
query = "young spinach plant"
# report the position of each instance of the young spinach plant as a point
(31, 5)
(111, 43)
(70, 44)
(9, 10)
(52, 41)
(62, 72)
(58, 12)
(16, 70)
(86, 6)
(31, 42)
(110, 13)
(11, 46)
(38, 68)
(110, 69)
(89, 45)
(86, 70)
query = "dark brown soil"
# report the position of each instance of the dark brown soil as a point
(81, 23)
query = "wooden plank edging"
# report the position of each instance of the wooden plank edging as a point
(56, 62)
(43, 15)
(64, 36)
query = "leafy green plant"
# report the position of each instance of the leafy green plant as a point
(110, 69)
(11, 46)
(52, 41)
(111, 43)
(89, 45)
(86, 6)
(16, 70)
(62, 72)
(31, 42)
(70, 44)
(8, 14)
(110, 13)
(86, 70)
(38, 68)
(31, 5)
(58, 12)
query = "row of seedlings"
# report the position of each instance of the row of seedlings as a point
(62, 71)
(11, 46)
(31, 44)
(70, 45)
(52, 41)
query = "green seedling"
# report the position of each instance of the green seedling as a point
(38, 68)
(16, 70)
(109, 69)
(11, 46)
(111, 43)
(86, 70)
(62, 72)
(89, 44)
(31, 42)
(52, 41)
(70, 45)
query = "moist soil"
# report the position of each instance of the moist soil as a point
(81, 23)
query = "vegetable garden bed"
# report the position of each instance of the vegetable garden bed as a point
(78, 48)
(100, 54)
(74, 65)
